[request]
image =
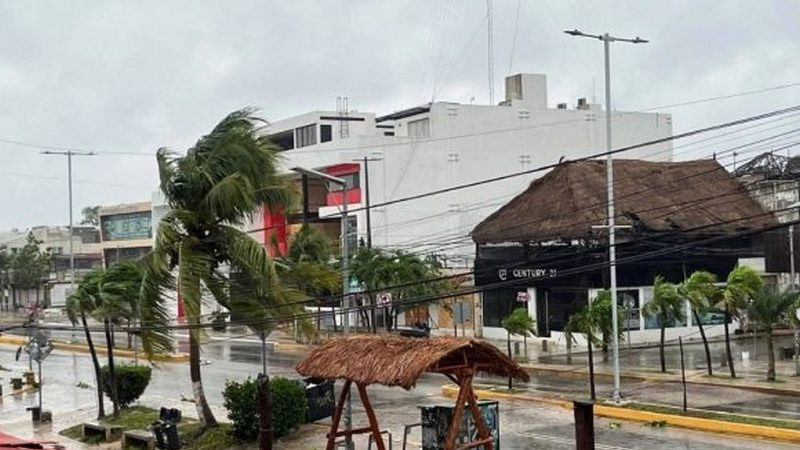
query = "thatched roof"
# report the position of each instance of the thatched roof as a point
(399, 361)
(650, 196)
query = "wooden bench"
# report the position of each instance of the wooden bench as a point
(107, 432)
(139, 438)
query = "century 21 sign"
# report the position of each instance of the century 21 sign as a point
(513, 274)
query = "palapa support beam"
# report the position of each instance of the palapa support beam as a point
(373, 421)
(467, 395)
(337, 415)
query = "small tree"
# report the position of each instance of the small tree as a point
(29, 267)
(742, 284)
(766, 310)
(665, 306)
(91, 215)
(517, 323)
(380, 269)
(701, 292)
(132, 381)
(581, 322)
(289, 406)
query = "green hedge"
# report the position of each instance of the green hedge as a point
(289, 406)
(131, 382)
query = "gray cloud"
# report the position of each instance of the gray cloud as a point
(133, 76)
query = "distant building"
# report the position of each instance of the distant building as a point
(774, 181)
(544, 251)
(126, 231)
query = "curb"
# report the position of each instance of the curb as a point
(613, 412)
(122, 353)
(571, 373)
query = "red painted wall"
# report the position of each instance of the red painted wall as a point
(275, 233)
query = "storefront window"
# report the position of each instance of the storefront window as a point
(497, 305)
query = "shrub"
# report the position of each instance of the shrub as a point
(131, 382)
(289, 406)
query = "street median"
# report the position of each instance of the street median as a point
(638, 415)
(83, 348)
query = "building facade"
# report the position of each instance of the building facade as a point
(544, 251)
(126, 231)
(436, 146)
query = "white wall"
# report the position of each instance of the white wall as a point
(470, 143)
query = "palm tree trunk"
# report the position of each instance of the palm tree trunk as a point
(263, 337)
(101, 410)
(770, 356)
(111, 372)
(591, 368)
(508, 345)
(661, 349)
(203, 410)
(705, 341)
(728, 353)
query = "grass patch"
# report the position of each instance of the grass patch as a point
(139, 418)
(735, 418)
(219, 437)
(133, 418)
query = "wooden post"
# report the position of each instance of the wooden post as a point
(373, 422)
(683, 373)
(483, 430)
(265, 418)
(584, 425)
(337, 415)
(455, 421)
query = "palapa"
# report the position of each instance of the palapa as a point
(399, 361)
(651, 196)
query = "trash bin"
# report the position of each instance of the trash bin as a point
(321, 399)
(166, 435)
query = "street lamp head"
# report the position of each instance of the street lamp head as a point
(638, 40)
(574, 32)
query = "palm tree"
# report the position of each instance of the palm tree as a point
(742, 284)
(81, 303)
(701, 292)
(665, 306)
(582, 322)
(766, 310)
(519, 322)
(307, 267)
(226, 177)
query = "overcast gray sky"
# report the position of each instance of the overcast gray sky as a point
(132, 76)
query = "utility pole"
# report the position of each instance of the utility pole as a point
(345, 234)
(490, 48)
(69, 154)
(612, 253)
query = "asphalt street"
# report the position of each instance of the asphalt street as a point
(524, 425)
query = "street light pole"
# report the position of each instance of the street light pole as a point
(69, 154)
(612, 251)
(348, 413)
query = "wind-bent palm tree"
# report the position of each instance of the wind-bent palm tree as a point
(80, 304)
(766, 310)
(701, 292)
(665, 306)
(111, 297)
(226, 177)
(742, 284)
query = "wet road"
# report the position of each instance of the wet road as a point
(524, 425)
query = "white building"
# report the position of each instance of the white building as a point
(440, 145)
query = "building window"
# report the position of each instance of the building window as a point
(306, 135)
(325, 133)
(135, 225)
(419, 128)
(352, 181)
